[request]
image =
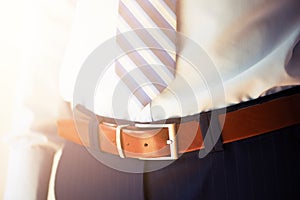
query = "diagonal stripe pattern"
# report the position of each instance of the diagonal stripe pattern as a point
(146, 72)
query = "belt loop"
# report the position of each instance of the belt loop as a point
(93, 125)
(219, 145)
(210, 125)
(94, 133)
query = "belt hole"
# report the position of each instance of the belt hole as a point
(146, 145)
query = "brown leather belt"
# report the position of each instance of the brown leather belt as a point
(154, 140)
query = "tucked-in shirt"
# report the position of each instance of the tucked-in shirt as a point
(254, 46)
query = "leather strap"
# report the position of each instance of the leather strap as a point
(239, 124)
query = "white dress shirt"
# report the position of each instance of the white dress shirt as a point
(252, 43)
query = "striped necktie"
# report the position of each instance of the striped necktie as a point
(146, 72)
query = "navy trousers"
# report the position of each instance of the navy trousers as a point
(261, 167)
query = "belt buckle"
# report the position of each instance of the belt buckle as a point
(172, 142)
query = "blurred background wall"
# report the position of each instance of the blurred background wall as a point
(53, 16)
(10, 56)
